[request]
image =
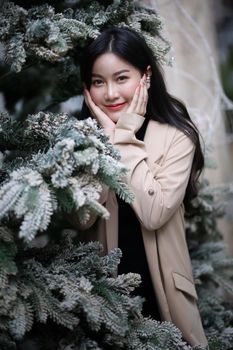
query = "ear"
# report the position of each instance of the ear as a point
(148, 76)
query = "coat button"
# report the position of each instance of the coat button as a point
(151, 192)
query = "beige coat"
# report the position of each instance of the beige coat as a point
(159, 171)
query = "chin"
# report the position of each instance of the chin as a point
(114, 116)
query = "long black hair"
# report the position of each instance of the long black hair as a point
(162, 107)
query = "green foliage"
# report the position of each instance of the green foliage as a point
(72, 286)
(43, 44)
(68, 173)
(64, 295)
(41, 33)
(226, 66)
(61, 295)
(7, 254)
(213, 270)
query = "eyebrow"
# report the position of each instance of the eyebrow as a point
(117, 73)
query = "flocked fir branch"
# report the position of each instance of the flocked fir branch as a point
(64, 284)
(67, 174)
(44, 43)
(212, 268)
(41, 33)
(72, 286)
(64, 295)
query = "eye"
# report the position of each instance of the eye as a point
(97, 82)
(122, 78)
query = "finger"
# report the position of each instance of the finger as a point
(138, 108)
(145, 100)
(94, 108)
(134, 101)
(97, 113)
(88, 97)
(90, 103)
(145, 95)
(85, 94)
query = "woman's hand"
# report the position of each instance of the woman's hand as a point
(140, 98)
(98, 114)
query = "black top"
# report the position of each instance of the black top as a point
(132, 246)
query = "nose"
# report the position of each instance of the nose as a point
(111, 92)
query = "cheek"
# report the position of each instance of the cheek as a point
(95, 95)
(130, 88)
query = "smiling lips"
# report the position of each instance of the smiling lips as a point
(116, 107)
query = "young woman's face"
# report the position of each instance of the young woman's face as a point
(113, 84)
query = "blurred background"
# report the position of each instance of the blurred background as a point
(201, 35)
(200, 74)
(39, 72)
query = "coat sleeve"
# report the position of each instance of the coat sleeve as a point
(158, 190)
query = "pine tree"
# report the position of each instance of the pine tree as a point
(55, 292)
(53, 295)
(60, 165)
(43, 44)
(213, 269)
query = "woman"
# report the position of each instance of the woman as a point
(158, 142)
